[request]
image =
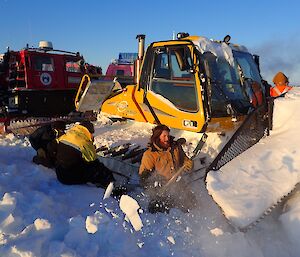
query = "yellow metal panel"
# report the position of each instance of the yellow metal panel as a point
(124, 105)
(224, 124)
(170, 43)
(171, 116)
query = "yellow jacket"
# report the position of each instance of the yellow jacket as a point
(81, 139)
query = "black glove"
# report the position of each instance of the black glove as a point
(181, 141)
(144, 177)
(158, 206)
(119, 191)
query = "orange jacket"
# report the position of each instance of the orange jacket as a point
(278, 90)
(281, 85)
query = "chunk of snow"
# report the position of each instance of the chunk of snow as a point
(92, 222)
(188, 230)
(140, 245)
(8, 199)
(9, 220)
(42, 224)
(108, 190)
(178, 222)
(130, 207)
(22, 253)
(216, 231)
(171, 239)
(219, 50)
(10, 136)
(126, 219)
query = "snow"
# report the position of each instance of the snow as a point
(220, 50)
(246, 191)
(41, 217)
(108, 190)
(130, 207)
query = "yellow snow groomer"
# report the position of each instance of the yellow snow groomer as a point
(191, 83)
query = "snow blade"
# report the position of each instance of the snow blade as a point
(94, 95)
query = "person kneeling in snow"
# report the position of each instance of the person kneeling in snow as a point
(76, 159)
(160, 162)
(43, 140)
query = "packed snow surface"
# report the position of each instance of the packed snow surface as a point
(41, 217)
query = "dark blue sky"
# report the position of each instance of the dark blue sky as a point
(101, 29)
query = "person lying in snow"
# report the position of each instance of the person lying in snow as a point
(76, 159)
(160, 162)
(43, 140)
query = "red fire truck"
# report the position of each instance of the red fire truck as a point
(40, 81)
(122, 69)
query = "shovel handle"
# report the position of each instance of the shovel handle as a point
(175, 176)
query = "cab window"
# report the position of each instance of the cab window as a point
(172, 77)
(72, 66)
(120, 72)
(43, 63)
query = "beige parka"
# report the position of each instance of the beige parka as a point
(164, 162)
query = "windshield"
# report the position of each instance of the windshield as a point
(250, 76)
(224, 86)
(249, 67)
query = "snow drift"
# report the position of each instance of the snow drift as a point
(41, 217)
(254, 181)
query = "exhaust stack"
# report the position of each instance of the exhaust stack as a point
(141, 51)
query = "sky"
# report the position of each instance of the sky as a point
(101, 29)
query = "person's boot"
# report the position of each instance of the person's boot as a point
(42, 161)
(36, 160)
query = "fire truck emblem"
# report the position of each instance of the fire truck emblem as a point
(46, 79)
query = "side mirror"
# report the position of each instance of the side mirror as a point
(227, 39)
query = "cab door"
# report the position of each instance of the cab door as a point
(171, 87)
